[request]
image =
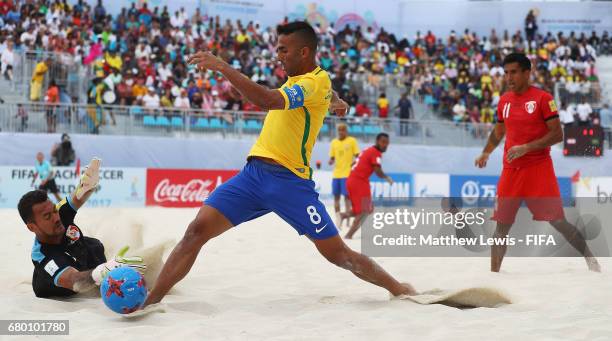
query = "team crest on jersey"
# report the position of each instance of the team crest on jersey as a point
(530, 107)
(73, 233)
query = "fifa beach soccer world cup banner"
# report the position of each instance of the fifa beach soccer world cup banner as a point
(119, 187)
(183, 187)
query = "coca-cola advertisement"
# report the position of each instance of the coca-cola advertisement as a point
(183, 187)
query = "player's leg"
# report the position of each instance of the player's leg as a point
(305, 213)
(347, 202)
(499, 251)
(338, 253)
(507, 205)
(545, 204)
(230, 204)
(208, 223)
(336, 192)
(361, 204)
(576, 239)
(358, 219)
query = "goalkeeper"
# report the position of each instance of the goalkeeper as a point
(65, 261)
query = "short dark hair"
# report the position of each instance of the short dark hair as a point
(381, 135)
(28, 201)
(520, 58)
(303, 29)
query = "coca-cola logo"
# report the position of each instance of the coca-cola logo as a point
(195, 190)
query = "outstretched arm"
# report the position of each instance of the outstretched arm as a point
(75, 280)
(267, 99)
(378, 170)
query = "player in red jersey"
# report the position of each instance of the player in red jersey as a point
(358, 182)
(528, 117)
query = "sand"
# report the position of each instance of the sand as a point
(262, 281)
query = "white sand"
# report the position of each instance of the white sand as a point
(262, 281)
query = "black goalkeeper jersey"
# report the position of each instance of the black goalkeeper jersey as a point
(75, 250)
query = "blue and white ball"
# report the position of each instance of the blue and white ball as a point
(123, 290)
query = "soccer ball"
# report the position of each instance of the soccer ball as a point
(123, 290)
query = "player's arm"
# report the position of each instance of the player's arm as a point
(379, 172)
(552, 137)
(77, 281)
(331, 154)
(497, 134)
(267, 99)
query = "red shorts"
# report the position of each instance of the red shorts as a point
(535, 184)
(360, 195)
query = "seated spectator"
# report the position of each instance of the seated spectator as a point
(362, 110)
(151, 101)
(182, 101)
(459, 111)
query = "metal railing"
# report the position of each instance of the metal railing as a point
(71, 76)
(575, 93)
(140, 121)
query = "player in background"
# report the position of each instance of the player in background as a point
(277, 176)
(342, 152)
(528, 117)
(45, 173)
(358, 183)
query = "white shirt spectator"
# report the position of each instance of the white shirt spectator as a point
(175, 20)
(496, 70)
(164, 73)
(459, 109)
(182, 102)
(7, 59)
(27, 37)
(150, 101)
(565, 116)
(142, 51)
(584, 110)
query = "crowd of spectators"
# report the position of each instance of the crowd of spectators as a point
(138, 58)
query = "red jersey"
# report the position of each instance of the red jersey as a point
(525, 119)
(365, 162)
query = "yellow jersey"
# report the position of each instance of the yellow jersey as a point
(343, 152)
(288, 135)
(39, 72)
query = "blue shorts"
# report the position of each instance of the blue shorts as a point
(339, 187)
(262, 188)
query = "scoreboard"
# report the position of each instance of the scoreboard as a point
(583, 141)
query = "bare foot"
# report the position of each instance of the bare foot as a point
(593, 264)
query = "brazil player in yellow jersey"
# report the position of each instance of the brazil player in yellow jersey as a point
(277, 176)
(342, 152)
